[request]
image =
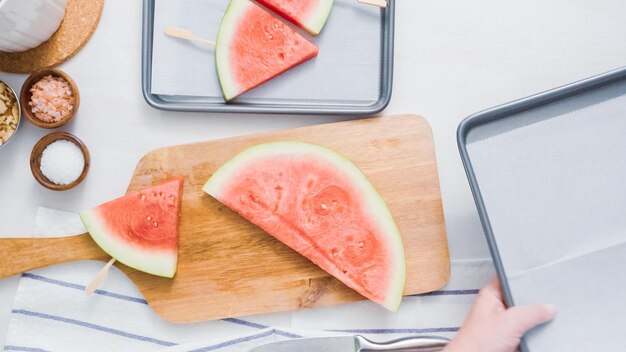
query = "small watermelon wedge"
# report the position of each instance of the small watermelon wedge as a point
(140, 229)
(253, 47)
(321, 205)
(310, 15)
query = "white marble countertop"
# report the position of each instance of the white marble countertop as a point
(453, 58)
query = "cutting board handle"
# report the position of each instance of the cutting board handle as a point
(18, 255)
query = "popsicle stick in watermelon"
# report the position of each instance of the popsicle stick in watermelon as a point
(310, 15)
(140, 229)
(100, 278)
(186, 34)
(378, 3)
(253, 47)
(321, 205)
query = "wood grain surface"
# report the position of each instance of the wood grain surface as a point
(18, 255)
(229, 267)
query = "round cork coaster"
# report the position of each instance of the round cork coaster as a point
(80, 21)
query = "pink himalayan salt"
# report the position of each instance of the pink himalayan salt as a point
(51, 99)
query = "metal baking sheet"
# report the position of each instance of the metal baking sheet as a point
(352, 75)
(548, 174)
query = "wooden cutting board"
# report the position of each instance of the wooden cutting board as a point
(228, 267)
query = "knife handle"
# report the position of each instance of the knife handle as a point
(408, 344)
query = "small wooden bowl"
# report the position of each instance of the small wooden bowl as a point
(35, 160)
(25, 96)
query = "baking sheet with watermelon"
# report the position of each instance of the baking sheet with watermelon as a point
(181, 76)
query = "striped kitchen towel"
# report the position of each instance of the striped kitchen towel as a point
(52, 313)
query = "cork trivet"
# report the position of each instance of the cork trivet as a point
(80, 21)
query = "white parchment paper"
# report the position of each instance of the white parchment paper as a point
(347, 67)
(555, 193)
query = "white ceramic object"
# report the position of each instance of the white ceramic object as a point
(25, 24)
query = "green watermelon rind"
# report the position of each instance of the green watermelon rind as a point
(316, 20)
(152, 261)
(236, 9)
(375, 203)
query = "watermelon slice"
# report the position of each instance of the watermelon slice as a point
(140, 229)
(253, 46)
(310, 15)
(320, 204)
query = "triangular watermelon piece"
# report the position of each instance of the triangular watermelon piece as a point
(253, 46)
(310, 15)
(321, 205)
(140, 229)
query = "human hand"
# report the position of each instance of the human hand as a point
(492, 327)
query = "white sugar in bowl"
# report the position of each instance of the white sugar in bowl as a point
(59, 161)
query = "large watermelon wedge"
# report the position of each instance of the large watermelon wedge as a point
(253, 46)
(140, 229)
(310, 15)
(320, 204)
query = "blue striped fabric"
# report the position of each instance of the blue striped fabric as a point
(234, 342)
(82, 288)
(109, 330)
(23, 348)
(211, 347)
(93, 326)
(121, 297)
(52, 313)
(231, 320)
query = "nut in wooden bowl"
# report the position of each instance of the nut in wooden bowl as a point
(59, 161)
(49, 98)
(10, 113)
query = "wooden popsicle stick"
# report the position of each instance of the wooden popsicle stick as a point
(186, 34)
(378, 3)
(18, 255)
(99, 278)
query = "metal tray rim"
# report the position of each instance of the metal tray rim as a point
(507, 109)
(357, 110)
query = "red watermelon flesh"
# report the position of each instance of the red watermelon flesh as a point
(140, 229)
(309, 15)
(253, 47)
(321, 205)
